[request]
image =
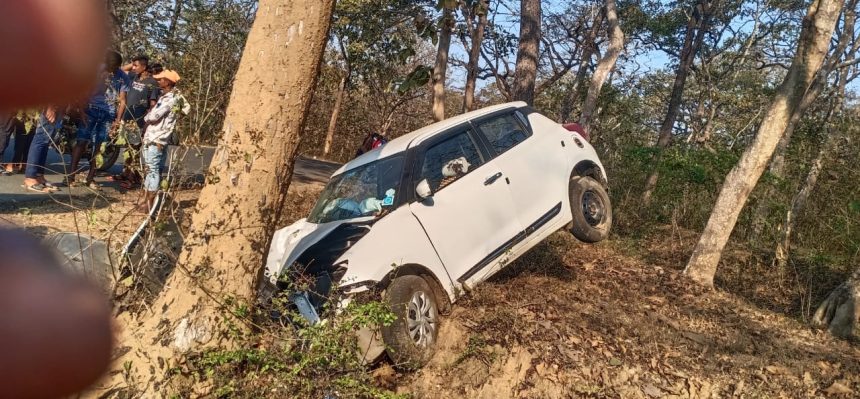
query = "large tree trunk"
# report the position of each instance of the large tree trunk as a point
(441, 67)
(604, 66)
(840, 312)
(696, 29)
(527, 51)
(238, 209)
(812, 46)
(477, 37)
(777, 163)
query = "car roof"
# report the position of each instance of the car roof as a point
(402, 143)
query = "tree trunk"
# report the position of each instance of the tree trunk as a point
(335, 112)
(589, 47)
(237, 210)
(604, 66)
(474, 55)
(840, 312)
(812, 46)
(171, 29)
(441, 67)
(830, 146)
(696, 29)
(777, 163)
(527, 51)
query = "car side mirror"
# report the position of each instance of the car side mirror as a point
(423, 190)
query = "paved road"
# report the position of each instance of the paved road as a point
(193, 163)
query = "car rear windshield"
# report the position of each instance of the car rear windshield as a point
(368, 190)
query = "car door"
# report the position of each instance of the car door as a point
(469, 218)
(534, 163)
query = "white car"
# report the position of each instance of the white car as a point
(431, 214)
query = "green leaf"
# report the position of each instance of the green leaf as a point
(854, 206)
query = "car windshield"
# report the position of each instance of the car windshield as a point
(367, 190)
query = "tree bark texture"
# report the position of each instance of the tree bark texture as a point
(174, 23)
(840, 312)
(777, 163)
(441, 67)
(813, 43)
(695, 34)
(477, 37)
(528, 51)
(604, 66)
(238, 208)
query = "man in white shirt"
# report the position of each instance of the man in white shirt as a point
(160, 122)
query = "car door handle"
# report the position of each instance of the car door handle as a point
(492, 179)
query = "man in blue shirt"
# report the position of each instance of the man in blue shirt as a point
(103, 112)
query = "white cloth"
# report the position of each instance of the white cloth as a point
(161, 119)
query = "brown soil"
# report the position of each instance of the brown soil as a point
(570, 320)
(576, 320)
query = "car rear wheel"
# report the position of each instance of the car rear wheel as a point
(411, 339)
(591, 209)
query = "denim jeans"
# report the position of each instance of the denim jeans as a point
(95, 130)
(37, 157)
(152, 160)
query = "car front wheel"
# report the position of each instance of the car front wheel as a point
(410, 340)
(592, 211)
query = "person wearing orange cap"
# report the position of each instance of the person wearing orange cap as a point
(160, 122)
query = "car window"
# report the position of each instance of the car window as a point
(368, 190)
(449, 160)
(503, 133)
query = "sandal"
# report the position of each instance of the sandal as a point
(93, 185)
(5, 172)
(51, 187)
(117, 178)
(38, 187)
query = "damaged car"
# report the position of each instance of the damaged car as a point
(435, 212)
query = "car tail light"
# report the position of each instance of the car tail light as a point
(577, 128)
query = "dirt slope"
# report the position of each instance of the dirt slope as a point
(572, 320)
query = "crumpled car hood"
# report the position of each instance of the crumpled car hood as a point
(290, 242)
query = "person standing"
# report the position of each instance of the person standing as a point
(106, 105)
(50, 121)
(160, 123)
(142, 96)
(8, 126)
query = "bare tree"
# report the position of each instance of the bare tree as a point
(604, 66)
(697, 26)
(446, 25)
(528, 50)
(813, 43)
(476, 36)
(203, 300)
(338, 100)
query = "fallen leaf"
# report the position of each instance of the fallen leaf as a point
(588, 266)
(807, 378)
(838, 388)
(777, 370)
(615, 362)
(652, 391)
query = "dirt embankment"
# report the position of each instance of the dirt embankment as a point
(572, 320)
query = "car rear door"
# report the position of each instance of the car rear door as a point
(534, 162)
(470, 217)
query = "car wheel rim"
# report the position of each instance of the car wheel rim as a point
(421, 319)
(593, 208)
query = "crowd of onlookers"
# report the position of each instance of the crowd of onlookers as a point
(135, 104)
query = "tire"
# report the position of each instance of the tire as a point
(109, 157)
(411, 300)
(591, 210)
